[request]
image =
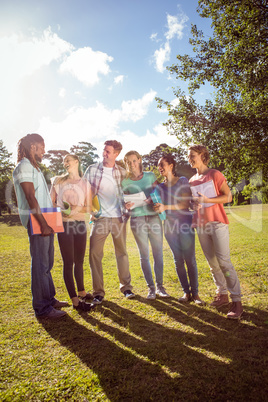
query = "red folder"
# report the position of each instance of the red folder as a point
(53, 218)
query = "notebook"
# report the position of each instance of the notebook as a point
(53, 218)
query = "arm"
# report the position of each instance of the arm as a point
(224, 197)
(182, 204)
(28, 189)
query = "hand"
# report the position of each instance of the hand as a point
(203, 199)
(46, 230)
(159, 208)
(129, 205)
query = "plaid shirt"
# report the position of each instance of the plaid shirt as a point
(94, 175)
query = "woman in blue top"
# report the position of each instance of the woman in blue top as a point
(145, 222)
(176, 194)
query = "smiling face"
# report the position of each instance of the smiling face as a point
(134, 164)
(164, 167)
(109, 156)
(38, 150)
(195, 159)
(70, 163)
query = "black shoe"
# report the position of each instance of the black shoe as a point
(52, 315)
(83, 306)
(128, 294)
(60, 304)
(98, 299)
(88, 296)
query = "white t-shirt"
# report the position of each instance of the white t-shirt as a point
(107, 195)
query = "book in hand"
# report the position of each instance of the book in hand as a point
(208, 189)
(137, 199)
(53, 218)
(156, 198)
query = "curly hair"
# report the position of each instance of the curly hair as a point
(201, 150)
(24, 147)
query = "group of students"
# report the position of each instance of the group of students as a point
(187, 206)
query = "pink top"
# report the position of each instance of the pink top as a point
(216, 212)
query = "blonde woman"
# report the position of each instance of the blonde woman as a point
(211, 191)
(145, 223)
(75, 190)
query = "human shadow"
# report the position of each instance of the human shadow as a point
(149, 364)
(140, 360)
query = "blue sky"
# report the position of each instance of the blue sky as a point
(90, 70)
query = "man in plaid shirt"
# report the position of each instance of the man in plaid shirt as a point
(105, 179)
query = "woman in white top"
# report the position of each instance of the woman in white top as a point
(76, 191)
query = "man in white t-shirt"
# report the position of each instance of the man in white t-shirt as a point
(105, 179)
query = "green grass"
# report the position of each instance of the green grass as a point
(137, 350)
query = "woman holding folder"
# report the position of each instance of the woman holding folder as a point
(72, 193)
(211, 191)
(176, 194)
(145, 222)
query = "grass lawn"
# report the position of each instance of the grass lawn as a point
(137, 350)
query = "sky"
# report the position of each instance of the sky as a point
(83, 70)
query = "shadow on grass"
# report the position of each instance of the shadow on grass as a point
(140, 360)
(10, 220)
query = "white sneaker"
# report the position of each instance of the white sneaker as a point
(161, 291)
(151, 294)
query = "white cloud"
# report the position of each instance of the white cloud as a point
(154, 38)
(175, 26)
(62, 93)
(136, 109)
(85, 64)
(161, 56)
(96, 124)
(23, 56)
(119, 79)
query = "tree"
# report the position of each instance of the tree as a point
(6, 168)
(150, 160)
(235, 62)
(86, 154)
(55, 158)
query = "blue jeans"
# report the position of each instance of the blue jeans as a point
(145, 229)
(43, 290)
(181, 240)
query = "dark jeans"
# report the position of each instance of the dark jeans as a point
(43, 290)
(73, 247)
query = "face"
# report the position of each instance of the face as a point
(38, 150)
(194, 159)
(164, 167)
(109, 155)
(70, 163)
(134, 164)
